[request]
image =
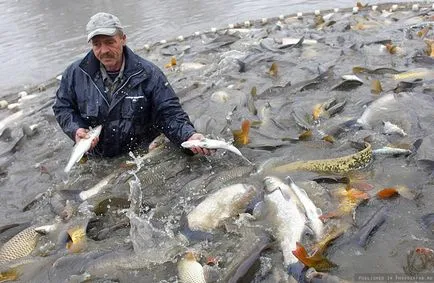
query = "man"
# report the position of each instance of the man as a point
(126, 94)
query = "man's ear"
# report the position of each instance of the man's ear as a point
(124, 39)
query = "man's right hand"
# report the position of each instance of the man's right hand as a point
(81, 133)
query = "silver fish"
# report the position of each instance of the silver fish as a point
(82, 147)
(391, 151)
(390, 128)
(213, 144)
(289, 221)
(220, 205)
(312, 212)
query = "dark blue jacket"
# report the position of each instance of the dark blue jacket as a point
(142, 107)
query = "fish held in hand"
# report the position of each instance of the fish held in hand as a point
(82, 147)
(213, 144)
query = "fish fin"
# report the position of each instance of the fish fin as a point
(241, 136)
(289, 180)
(417, 144)
(387, 193)
(11, 274)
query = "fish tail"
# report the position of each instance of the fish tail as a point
(9, 275)
(241, 137)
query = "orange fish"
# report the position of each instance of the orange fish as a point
(349, 199)
(391, 48)
(171, 63)
(241, 137)
(360, 5)
(424, 251)
(333, 233)
(328, 138)
(317, 260)
(387, 193)
(318, 109)
(273, 69)
(306, 135)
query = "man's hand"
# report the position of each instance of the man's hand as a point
(197, 149)
(81, 133)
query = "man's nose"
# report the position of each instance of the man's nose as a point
(104, 48)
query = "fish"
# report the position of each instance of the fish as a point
(378, 71)
(251, 101)
(349, 82)
(189, 270)
(77, 238)
(82, 147)
(273, 69)
(376, 87)
(418, 73)
(387, 193)
(333, 165)
(289, 221)
(312, 211)
(251, 245)
(227, 202)
(241, 136)
(377, 219)
(390, 128)
(297, 194)
(317, 260)
(383, 108)
(6, 122)
(387, 150)
(23, 243)
(349, 199)
(213, 144)
(171, 63)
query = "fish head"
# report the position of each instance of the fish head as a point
(272, 183)
(77, 241)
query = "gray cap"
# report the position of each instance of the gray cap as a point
(102, 24)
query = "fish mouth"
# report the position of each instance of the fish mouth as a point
(77, 241)
(271, 184)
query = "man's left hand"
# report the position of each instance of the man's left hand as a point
(197, 149)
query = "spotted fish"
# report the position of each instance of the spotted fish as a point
(334, 165)
(22, 244)
(189, 270)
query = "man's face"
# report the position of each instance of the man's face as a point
(108, 50)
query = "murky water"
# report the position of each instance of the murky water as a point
(141, 241)
(43, 37)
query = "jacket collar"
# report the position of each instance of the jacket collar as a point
(91, 65)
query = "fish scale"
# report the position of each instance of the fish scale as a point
(190, 271)
(20, 245)
(333, 165)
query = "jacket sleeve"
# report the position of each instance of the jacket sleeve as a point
(66, 108)
(168, 115)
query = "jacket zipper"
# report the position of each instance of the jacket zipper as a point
(96, 87)
(127, 80)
